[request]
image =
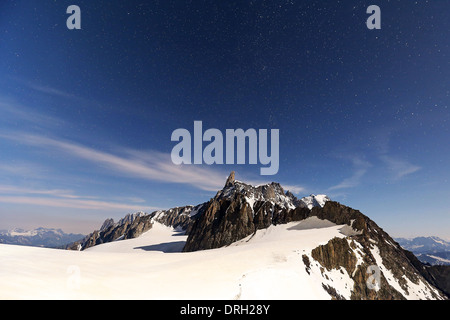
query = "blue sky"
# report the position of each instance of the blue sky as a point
(87, 115)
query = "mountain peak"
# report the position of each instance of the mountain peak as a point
(230, 180)
(315, 200)
(271, 192)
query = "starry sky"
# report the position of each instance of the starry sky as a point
(86, 116)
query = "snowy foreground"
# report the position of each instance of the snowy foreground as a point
(267, 265)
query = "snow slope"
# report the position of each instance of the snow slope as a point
(267, 265)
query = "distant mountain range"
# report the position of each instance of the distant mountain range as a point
(40, 237)
(432, 250)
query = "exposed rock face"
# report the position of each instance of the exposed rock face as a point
(228, 220)
(340, 214)
(107, 224)
(440, 277)
(338, 254)
(180, 217)
(133, 225)
(230, 180)
(130, 227)
(371, 247)
(272, 192)
(223, 222)
(239, 210)
(437, 275)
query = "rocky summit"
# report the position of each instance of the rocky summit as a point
(372, 261)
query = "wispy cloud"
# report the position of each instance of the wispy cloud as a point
(15, 112)
(8, 189)
(360, 168)
(42, 88)
(60, 193)
(150, 165)
(24, 169)
(296, 189)
(399, 167)
(352, 181)
(65, 199)
(73, 203)
(50, 90)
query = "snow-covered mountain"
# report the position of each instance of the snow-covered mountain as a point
(424, 244)
(273, 193)
(39, 237)
(432, 250)
(248, 242)
(315, 200)
(184, 217)
(436, 258)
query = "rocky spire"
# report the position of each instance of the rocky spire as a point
(230, 180)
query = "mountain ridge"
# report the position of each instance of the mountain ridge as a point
(184, 217)
(424, 244)
(239, 210)
(431, 250)
(38, 237)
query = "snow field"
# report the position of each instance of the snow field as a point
(265, 266)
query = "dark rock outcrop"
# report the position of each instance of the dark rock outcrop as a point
(230, 180)
(132, 226)
(437, 275)
(440, 277)
(336, 252)
(239, 210)
(180, 217)
(374, 247)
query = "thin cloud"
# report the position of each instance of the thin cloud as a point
(155, 166)
(360, 168)
(352, 181)
(46, 89)
(14, 111)
(64, 199)
(149, 165)
(69, 194)
(73, 203)
(54, 92)
(295, 189)
(23, 169)
(398, 167)
(50, 90)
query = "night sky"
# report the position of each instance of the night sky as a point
(86, 116)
